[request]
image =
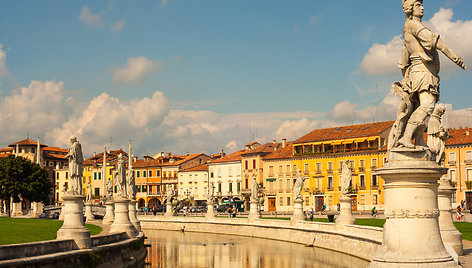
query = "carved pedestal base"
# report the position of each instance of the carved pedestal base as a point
(61, 215)
(73, 226)
(449, 234)
(88, 212)
(297, 211)
(345, 212)
(253, 211)
(132, 215)
(37, 209)
(16, 210)
(122, 222)
(411, 236)
(210, 214)
(109, 213)
(169, 209)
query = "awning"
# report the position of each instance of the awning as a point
(271, 179)
(361, 139)
(372, 138)
(349, 141)
(337, 142)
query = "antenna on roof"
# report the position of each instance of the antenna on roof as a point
(27, 135)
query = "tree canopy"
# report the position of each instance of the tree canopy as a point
(20, 176)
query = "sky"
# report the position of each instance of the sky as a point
(186, 76)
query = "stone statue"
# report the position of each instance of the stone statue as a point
(211, 192)
(130, 184)
(169, 195)
(254, 189)
(298, 186)
(76, 159)
(419, 88)
(110, 189)
(437, 135)
(88, 197)
(346, 177)
(120, 176)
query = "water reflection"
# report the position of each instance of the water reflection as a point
(177, 249)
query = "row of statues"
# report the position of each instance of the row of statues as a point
(124, 180)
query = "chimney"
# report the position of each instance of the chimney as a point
(94, 154)
(467, 133)
(284, 142)
(222, 154)
(135, 158)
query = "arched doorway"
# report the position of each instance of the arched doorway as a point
(154, 201)
(141, 203)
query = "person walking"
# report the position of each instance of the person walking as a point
(311, 214)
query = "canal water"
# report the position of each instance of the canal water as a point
(194, 250)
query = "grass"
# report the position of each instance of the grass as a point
(23, 230)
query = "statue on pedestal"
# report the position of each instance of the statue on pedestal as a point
(76, 159)
(130, 184)
(110, 189)
(211, 193)
(346, 177)
(120, 176)
(88, 197)
(419, 88)
(298, 186)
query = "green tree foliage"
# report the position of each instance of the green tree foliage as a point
(20, 176)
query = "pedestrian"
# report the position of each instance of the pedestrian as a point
(324, 207)
(185, 211)
(311, 213)
(373, 211)
(229, 212)
(154, 210)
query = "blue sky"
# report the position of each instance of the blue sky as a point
(226, 71)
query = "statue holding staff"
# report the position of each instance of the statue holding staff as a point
(254, 189)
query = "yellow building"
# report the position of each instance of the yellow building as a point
(320, 154)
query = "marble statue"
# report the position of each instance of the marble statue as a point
(437, 135)
(120, 176)
(211, 192)
(419, 89)
(88, 198)
(110, 189)
(169, 195)
(130, 184)
(76, 159)
(254, 189)
(346, 177)
(298, 186)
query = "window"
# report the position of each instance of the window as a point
(271, 171)
(219, 187)
(469, 174)
(374, 180)
(307, 201)
(362, 199)
(288, 201)
(238, 186)
(287, 170)
(246, 164)
(238, 172)
(330, 167)
(362, 165)
(230, 172)
(138, 174)
(280, 170)
(219, 173)
(374, 162)
(95, 176)
(115, 189)
(468, 156)
(67, 175)
(452, 158)
(352, 164)
(453, 175)
(307, 168)
(288, 185)
(99, 175)
(281, 184)
(150, 173)
(230, 186)
(254, 164)
(138, 188)
(294, 169)
(330, 182)
(158, 173)
(340, 165)
(362, 180)
(144, 173)
(97, 191)
(318, 168)
(375, 199)
(144, 188)
(281, 201)
(212, 175)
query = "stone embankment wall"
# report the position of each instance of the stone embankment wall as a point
(111, 250)
(355, 240)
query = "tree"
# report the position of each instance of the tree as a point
(20, 176)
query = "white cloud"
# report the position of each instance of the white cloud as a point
(383, 58)
(107, 117)
(89, 18)
(296, 28)
(118, 26)
(164, 2)
(34, 109)
(135, 71)
(348, 112)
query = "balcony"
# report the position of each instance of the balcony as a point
(375, 187)
(330, 170)
(361, 169)
(373, 167)
(306, 172)
(362, 187)
(318, 191)
(154, 193)
(468, 161)
(330, 188)
(452, 162)
(271, 175)
(318, 171)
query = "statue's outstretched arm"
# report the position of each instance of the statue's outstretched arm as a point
(451, 54)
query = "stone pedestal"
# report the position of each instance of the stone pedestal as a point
(254, 211)
(37, 209)
(345, 212)
(109, 213)
(132, 215)
(61, 215)
(2, 208)
(73, 227)
(297, 211)
(210, 214)
(122, 222)
(411, 236)
(169, 209)
(88, 212)
(449, 234)
(16, 209)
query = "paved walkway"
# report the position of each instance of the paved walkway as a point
(466, 259)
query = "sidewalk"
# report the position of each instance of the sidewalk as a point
(466, 259)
